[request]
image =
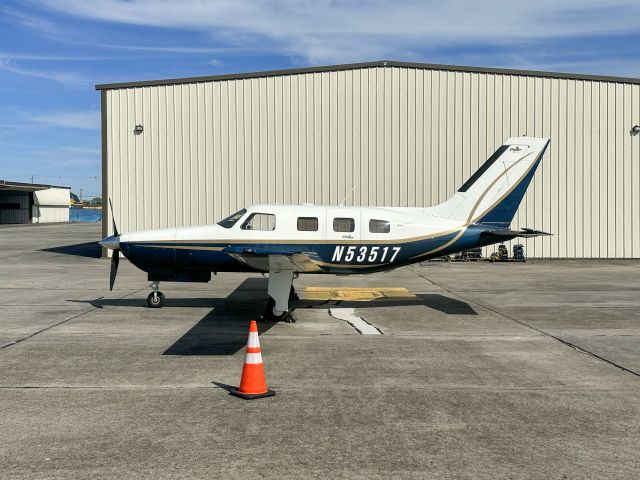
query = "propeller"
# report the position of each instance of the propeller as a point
(115, 257)
(113, 220)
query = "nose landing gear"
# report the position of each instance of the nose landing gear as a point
(156, 298)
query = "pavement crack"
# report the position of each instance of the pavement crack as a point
(20, 340)
(531, 327)
(357, 322)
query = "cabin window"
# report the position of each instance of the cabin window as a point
(379, 226)
(307, 224)
(344, 224)
(260, 221)
(231, 220)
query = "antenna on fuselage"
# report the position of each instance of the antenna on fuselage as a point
(348, 195)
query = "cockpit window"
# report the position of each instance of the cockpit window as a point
(231, 220)
(260, 221)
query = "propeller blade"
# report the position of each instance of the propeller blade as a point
(115, 259)
(113, 219)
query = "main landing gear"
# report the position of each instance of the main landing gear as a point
(281, 294)
(156, 298)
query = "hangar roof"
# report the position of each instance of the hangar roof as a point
(26, 187)
(354, 66)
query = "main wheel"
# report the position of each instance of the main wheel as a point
(271, 317)
(155, 301)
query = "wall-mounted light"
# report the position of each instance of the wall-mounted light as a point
(635, 130)
(138, 130)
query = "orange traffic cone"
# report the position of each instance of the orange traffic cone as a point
(252, 384)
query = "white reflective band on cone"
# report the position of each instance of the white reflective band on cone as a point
(253, 340)
(253, 358)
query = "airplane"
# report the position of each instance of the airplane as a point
(288, 240)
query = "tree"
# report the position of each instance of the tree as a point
(96, 201)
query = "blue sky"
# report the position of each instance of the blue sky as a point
(53, 52)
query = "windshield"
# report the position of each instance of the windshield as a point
(231, 220)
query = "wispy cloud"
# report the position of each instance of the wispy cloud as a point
(88, 151)
(57, 31)
(89, 120)
(70, 79)
(49, 58)
(321, 30)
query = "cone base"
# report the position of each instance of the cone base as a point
(250, 396)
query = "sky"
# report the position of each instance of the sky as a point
(53, 52)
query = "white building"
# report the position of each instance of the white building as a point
(190, 151)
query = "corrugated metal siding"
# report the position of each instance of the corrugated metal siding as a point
(22, 200)
(400, 136)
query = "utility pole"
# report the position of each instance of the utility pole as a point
(31, 178)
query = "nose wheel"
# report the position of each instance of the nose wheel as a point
(156, 298)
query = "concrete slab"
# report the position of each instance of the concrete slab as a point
(473, 378)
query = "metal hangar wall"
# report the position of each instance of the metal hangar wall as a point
(190, 151)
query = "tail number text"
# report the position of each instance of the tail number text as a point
(365, 254)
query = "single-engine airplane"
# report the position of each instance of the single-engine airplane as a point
(287, 240)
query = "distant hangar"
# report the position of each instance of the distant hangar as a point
(189, 151)
(33, 203)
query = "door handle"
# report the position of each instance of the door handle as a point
(347, 236)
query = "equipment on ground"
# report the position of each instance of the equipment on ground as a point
(518, 252)
(288, 240)
(471, 255)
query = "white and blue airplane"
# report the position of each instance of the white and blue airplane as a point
(287, 240)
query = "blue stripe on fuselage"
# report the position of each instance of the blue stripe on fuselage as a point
(331, 257)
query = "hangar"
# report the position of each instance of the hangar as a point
(189, 151)
(33, 203)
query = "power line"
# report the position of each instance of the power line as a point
(60, 176)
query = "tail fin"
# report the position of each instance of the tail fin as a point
(492, 194)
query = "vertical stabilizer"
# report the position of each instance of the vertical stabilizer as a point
(493, 193)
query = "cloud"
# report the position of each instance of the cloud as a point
(89, 120)
(327, 30)
(90, 151)
(78, 36)
(70, 79)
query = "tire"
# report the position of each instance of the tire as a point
(155, 301)
(271, 317)
(293, 295)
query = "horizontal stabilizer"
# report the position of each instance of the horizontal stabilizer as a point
(524, 233)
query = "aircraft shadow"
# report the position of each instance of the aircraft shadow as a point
(446, 305)
(87, 249)
(223, 331)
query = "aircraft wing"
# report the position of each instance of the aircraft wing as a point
(523, 232)
(273, 260)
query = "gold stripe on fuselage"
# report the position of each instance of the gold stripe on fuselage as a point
(380, 241)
